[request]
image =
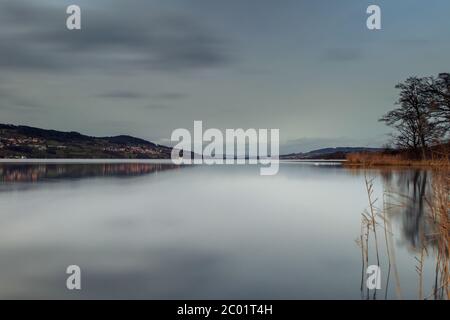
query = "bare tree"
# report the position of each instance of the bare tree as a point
(412, 117)
(439, 89)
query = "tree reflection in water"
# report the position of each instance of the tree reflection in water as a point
(418, 199)
(407, 192)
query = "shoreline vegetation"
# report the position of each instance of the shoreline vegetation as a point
(437, 159)
(376, 238)
(421, 123)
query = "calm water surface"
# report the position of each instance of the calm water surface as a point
(150, 230)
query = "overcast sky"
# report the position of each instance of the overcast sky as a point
(145, 68)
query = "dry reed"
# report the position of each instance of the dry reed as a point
(438, 215)
(379, 159)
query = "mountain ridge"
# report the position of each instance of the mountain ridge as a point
(18, 141)
(328, 153)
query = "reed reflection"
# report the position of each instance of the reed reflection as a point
(417, 201)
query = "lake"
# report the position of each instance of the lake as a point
(157, 231)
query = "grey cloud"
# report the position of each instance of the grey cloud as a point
(156, 107)
(18, 55)
(22, 12)
(343, 54)
(412, 42)
(11, 101)
(125, 94)
(122, 95)
(36, 38)
(171, 96)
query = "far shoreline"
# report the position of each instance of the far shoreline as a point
(150, 161)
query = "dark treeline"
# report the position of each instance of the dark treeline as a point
(421, 118)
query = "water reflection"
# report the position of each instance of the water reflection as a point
(409, 192)
(39, 172)
(417, 202)
(214, 232)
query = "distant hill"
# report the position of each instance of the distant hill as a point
(328, 153)
(35, 143)
(30, 142)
